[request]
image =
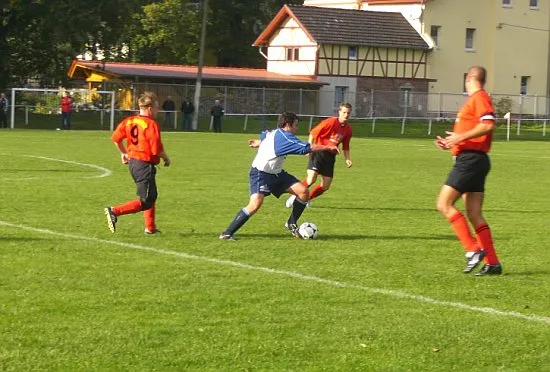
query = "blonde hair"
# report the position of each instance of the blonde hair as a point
(147, 99)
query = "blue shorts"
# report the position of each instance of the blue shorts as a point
(267, 183)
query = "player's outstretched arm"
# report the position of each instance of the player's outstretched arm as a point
(254, 143)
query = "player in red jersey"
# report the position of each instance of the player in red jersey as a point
(330, 132)
(142, 152)
(469, 142)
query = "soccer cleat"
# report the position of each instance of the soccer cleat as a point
(151, 232)
(293, 228)
(490, 270)
(290, 201)
(111, 219)
(474, 258)
(226, 237)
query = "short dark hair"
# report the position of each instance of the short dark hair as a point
(286, 118)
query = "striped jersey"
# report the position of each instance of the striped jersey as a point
(274, 148)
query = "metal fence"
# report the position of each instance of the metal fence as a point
(373, 103)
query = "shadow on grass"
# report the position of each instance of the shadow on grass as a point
(40, 170)
(401, 209)
(277, 236)
(20, 239)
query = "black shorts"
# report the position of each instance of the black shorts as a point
(322, 162)
(143, 174)
(469, 172)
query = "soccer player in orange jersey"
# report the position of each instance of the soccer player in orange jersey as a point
(142, 152)
(469, 142)
(332, 131)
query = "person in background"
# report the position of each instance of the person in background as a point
(142, 153)
(66, 104)
(267, 176)
(217, 112)
(187, 109)
(3, 111)
(469, 143)
(168, 106)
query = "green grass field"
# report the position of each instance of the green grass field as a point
(381, 289)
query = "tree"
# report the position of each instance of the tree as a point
(233, 27)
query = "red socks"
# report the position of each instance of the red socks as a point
(133, 206)
(485, 239)
(462, 231)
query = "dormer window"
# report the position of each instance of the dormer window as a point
(292, 54)
(352, 53)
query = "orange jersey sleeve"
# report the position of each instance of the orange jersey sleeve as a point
(330, 132)
(142, 135)
(477, 109)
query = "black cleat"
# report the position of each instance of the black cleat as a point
(293, 228)
(111, 219)
(474, 258)
(490, 270)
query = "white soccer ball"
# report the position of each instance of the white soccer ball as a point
(308, 230)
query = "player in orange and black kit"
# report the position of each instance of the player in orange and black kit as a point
(143, 151)
(469, 142)
(330, 132)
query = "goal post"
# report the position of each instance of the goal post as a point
(38, 108)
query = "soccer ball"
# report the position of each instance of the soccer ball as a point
(308, 230)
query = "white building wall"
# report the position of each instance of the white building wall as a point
(291, 35)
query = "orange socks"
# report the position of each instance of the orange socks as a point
(149, 217)
(462, 231)
(133, 206)
(485, 239)
(317, 190)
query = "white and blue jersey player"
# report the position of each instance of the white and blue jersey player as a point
(268, 177)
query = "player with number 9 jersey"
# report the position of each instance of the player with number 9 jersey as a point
(142, 137)
(142, 151)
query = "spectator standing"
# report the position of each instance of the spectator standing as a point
(168, 106)
(66, 108)
(3, 111)
(187, 109)
(217, 112)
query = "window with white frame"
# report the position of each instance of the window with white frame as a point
(470, 33)
(340, 94)
(434, 33)
(292, 54)
(524, 84)
(533, 4)
(405, 98)
(506, 3)
(352, 52)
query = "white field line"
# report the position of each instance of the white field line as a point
(292, 274)
(105, 172)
